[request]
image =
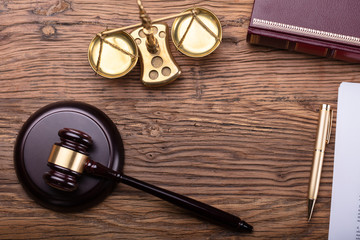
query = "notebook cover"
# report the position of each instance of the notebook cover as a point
(329, 23)
(345, 198)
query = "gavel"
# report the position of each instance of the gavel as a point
(69, 159)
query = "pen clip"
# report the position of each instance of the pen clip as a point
(329, 127)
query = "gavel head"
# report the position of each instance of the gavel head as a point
(67, 159)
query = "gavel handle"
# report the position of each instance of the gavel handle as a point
(201, 209)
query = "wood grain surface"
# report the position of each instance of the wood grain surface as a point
(236, 130)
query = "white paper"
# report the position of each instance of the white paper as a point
(345, 200)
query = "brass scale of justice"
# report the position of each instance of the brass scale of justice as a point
(196, 32)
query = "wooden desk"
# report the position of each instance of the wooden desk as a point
(236, 130)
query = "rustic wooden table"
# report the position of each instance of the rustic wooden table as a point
(236, 130)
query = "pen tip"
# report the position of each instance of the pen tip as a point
(244, 227)
(311, 204)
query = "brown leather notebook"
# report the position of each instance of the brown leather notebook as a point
(328, 28)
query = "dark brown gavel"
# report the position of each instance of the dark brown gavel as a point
(69, 159)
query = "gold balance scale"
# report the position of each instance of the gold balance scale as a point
(196, 32)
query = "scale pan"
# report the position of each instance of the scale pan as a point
(118, 54)
(197, 34)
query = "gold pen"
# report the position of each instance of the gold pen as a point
(322, 138)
